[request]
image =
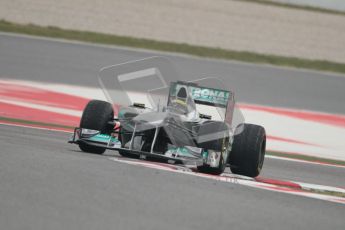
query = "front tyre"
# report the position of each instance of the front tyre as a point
(96, 116)
(248, 150)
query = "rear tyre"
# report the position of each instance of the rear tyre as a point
(96, 116)
(248, 151)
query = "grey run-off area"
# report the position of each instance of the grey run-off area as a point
(228, 24)
(327, 4)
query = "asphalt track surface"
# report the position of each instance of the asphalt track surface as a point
(47, 184)
(78, 64)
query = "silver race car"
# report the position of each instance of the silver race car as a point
(151, 114)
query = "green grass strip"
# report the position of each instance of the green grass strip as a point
(299, 7)
(28, 122)
(329, 193)
(306, 158)
(200, 51)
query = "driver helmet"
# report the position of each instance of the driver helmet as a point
(181, 97)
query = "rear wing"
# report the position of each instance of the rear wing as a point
(216, 103)
(210, 96)
(145, 82)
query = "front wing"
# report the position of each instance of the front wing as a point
(95, 138)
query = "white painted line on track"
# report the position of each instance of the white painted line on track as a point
(293, 134)
(34, 126)
(78, 91)
(318, 187)
(70, 112)
(55, 129)
(304, 161)
(275, 124)
(231, 178)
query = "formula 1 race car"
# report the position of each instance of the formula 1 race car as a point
(193, 123)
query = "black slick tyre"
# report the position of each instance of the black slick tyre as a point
(248, 150)
(96, 116)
